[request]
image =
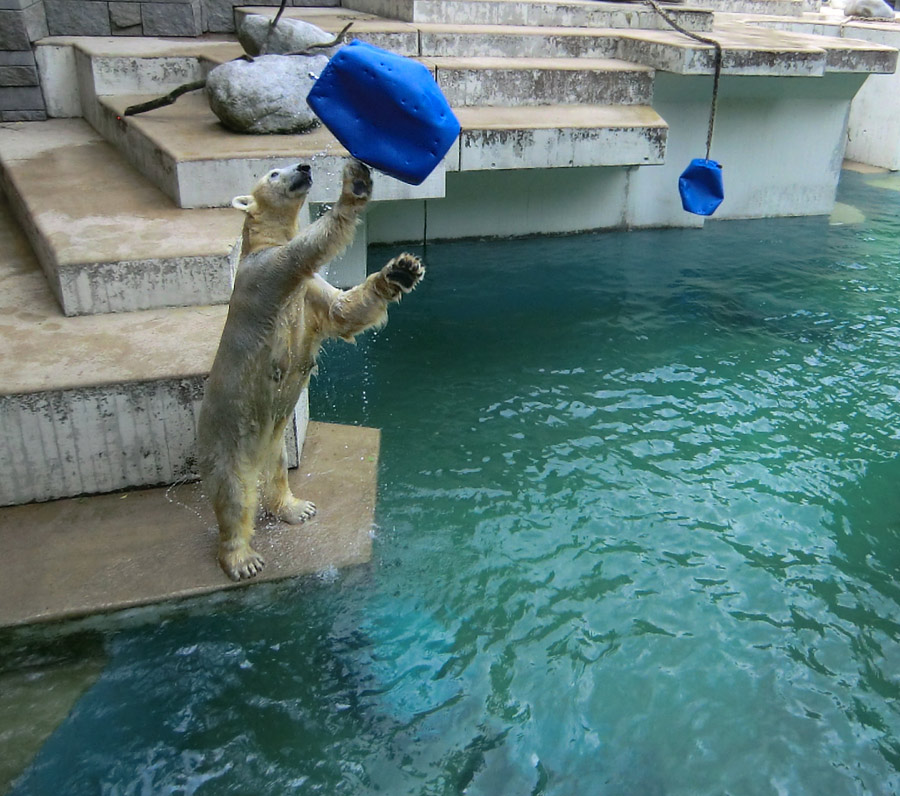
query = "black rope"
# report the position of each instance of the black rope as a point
(718, 62)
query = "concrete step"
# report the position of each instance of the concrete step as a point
(85, 556)
(96, 403)
(748, 49)
(573, 13)
(559, 136)
(108, 241)
(541, 81)
(184, 151)
(745, 51)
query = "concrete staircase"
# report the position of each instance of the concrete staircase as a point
(591, 107)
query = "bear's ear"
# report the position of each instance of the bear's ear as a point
(242, 203)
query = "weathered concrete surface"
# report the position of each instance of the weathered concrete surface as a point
(192, 158)
(571, 13)
(107, 240)
(90, 555)
(873, 130)
(559, 136)
(541, 81)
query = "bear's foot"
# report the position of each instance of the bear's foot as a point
(296, 511)
(405, 271)
(241, 563)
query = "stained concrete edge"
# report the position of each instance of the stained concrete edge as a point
(82, 556)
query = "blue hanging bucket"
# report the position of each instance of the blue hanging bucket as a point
(386, 110)
(701, 187)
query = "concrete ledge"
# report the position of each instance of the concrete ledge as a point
(183, 150)
(555, 136)
(572, 13)
(541, 81)
(107, 240)
(91, 555)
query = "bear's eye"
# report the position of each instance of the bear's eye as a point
(273, 175)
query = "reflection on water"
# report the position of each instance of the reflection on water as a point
(639, 534)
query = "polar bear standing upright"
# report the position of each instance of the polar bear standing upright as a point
(280, 312)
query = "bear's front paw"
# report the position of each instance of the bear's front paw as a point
(297, 511)
(405, 271)
(357, 181)
(241, 563)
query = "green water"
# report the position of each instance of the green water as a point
(639, 533)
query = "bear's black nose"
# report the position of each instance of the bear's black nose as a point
(303, 168)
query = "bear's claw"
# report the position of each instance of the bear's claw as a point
(297, 511)
(241, 564)
(405, 271)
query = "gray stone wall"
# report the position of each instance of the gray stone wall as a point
(23, 22)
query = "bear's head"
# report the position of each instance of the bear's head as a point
(273, 206)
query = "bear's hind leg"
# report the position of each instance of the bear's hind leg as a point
(235, 502)
(278, 499)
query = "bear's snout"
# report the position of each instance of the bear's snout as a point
(302, 177)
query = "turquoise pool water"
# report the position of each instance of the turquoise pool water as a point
(639, 533)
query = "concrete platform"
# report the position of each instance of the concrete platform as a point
(90, 555)
(571, 13)
(184, 151)
(108, 240)
(559, 136)
(541, 81)
(774, 53)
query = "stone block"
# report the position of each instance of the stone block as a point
(219, 14)
(20, 98)
(17, 58)
(23, 116)
(172, 19)
(18, 76)
(13, 33)
(124, 15)
(77, 17)
(35, 21)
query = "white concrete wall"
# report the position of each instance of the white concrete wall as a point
(101, 439)
(780, 141)
(509, 203)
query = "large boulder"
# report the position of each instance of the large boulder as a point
(288, 36)
(267, 95)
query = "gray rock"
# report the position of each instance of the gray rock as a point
(267, 95)
(872, 9)
(288, 36)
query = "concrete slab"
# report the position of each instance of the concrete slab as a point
(747, 50)
(108, 240)
(541, 81)
(90, 555)
(184, 151)
(572, 13)
(560, 136)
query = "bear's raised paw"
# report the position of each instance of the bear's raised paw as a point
(405, 271)
(357, 181)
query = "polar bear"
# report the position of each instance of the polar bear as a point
(280, 312)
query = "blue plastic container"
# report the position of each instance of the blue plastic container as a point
(701, 187)
(386, 110)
